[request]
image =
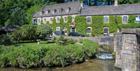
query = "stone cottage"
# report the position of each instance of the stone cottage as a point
(106, 17)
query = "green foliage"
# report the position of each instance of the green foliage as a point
(31, 11)
(27, 55)
(6, 39)
(131, 23)
(97, 25)
(69, 23)
(31, 32)
(89, 47)
(64, 41)
(81, 24)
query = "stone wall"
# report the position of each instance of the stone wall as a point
(126, 46)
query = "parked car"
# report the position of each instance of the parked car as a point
(76, 34)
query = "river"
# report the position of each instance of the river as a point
(90, 65)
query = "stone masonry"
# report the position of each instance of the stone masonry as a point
(126, 46)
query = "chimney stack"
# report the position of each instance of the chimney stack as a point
(116, 3)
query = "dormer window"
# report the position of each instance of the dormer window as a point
(69, 9)
(46, 12)
(106, 19)
(55, 10)
(49, 11)
(62, 9)
(125, 19)
(43, 12)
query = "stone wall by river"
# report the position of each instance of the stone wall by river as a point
(126, 46)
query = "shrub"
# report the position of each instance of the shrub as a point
(89, 47)
(31, 32)
(6, 39)
(28, 55)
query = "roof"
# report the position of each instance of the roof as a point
(74, 9)
(125, 9)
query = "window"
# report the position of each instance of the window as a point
(125, 19)
(39, 21)
(43, 12)
(73, 18)
(51, 20)
(58, 19)
(137, 20)
(73, 30)
(88, 19)
(62, 10)
(57, 28)
(49, 11)
(44, 20)
(106, 30)
(46, 12)
(106, 19)
(89, 31)
(55, 10)
(69, 9)
(34, 21)
(65, 19)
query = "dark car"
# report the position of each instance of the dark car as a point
(76, 34)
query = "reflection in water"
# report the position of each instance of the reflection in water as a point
(91, 65)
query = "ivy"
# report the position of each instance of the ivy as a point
(115, 23)
(81, 24)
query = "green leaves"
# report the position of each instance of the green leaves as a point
(26, 55)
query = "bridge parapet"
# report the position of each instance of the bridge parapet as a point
(126, 46)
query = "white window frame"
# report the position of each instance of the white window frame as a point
(51, 20)
(58, 29)
(65, 19)
(137, 19)
(46, 12)
(104, 30)
(105, 19)
(44, 20)
(34, 21)
(125, 22)
(39, 21)
(88, 22)
(58, 19)
(89, 33)
(73, 18)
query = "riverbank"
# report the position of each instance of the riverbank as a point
(44, 54)
(90, 65)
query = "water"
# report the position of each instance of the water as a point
(91, 65)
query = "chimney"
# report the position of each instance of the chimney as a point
(116, 3)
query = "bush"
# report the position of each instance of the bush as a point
(63, 41)
(31, 32)
(89, 47)
(6, 39)
(29, 55)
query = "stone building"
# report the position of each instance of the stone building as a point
(112, 14)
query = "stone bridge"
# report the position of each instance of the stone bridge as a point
(127, 48)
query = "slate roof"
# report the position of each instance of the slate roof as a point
(74, 9)
(125, 9)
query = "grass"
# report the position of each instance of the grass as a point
(27, 55)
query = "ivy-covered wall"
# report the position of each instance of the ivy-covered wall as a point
(97, 24)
